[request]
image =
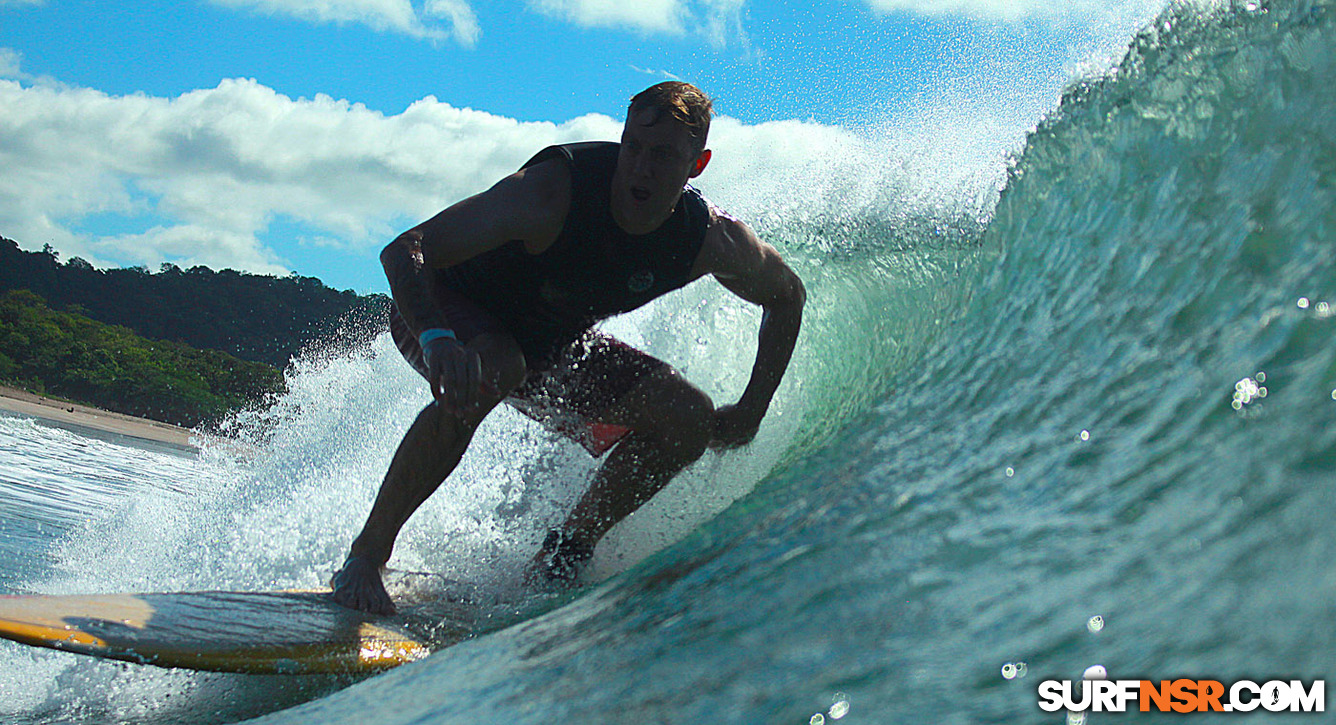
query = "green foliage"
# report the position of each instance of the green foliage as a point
(165, 345)
(72, 356)
(9, 369)
(254, 317)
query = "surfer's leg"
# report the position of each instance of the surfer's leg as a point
(671, 422)
(604, 393)
(429, 452)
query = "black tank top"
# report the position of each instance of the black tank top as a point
(593, 270)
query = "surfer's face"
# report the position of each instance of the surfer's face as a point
(658, 155)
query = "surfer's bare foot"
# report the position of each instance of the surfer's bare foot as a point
(358, 586)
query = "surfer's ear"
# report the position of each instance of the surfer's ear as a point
(701, 162)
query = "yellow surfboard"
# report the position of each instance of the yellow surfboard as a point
(285, 632)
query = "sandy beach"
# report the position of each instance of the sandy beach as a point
(59, 411)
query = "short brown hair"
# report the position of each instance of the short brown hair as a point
(684, 102)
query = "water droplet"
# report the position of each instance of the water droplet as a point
(1009, 671)
(1095, 624)
(1022, 669)
(1245, 391)
(1085, 435)
(840, 707)
(1011, 471)
(817, 719)
(1323, 308)
(1260, 377)
(1333, 395)
(1303, 303)
(1075, 718)
(1095, 672)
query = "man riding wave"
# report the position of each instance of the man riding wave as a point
(496, 299)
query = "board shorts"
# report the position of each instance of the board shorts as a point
(567, 396)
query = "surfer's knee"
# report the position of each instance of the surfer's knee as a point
(701, 427)
(687, 419)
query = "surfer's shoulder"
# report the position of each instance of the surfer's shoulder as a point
(747, 265)
(544, 187)
(728, 244)
(530, 204)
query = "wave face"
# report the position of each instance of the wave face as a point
(1108, 389)
(1117, 399)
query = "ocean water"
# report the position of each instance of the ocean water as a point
(1091, 373)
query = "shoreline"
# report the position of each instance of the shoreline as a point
(61, 412)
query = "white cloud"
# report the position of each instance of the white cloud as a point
(662, 75)
(206, 174)
(937, 163)
(723, 22)
(187, 245)
(1007, 10)
(719, 21)
(384, 15)
(461, 17)
(10, 60)
(212, 169)
(650, 16)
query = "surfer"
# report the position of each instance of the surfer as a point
(496, 298)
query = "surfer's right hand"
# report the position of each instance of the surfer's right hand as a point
(358, 586)
(455, 374)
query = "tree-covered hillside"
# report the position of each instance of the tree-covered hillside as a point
(71, 356)
(254, 317)
(179, 346)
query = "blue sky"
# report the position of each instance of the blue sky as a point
(300, 135)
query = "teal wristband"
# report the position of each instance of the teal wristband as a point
(434, 333)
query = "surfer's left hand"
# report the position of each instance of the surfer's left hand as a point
(734, 426)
